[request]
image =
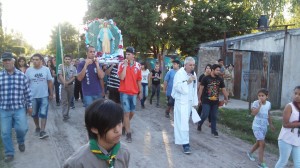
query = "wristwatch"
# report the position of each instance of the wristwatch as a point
(185, 81)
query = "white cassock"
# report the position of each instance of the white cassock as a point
(185, 96)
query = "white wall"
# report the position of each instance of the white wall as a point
(291, 68)
(272, 43)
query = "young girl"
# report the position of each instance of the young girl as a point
(22, 65)
(261, 110)
(103, 120)
(289, 137)
(145, 80)
(155, 76)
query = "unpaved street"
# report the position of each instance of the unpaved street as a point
(153, 144)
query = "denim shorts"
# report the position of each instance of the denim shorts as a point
(128, 102)
(40, 107)
(88, 100)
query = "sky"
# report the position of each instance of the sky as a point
(35, 19)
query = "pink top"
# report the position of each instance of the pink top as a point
(286, 134)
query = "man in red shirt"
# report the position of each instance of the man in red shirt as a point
(130, 76)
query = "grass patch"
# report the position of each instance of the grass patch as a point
(239, 122)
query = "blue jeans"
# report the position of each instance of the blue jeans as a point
(145, 93)
(88, 100)
(155, 89)
(40, 107)
(211, 109)
(17, 119)
(128, 102)
(285, 151)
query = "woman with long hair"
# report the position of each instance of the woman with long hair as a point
(21, 64)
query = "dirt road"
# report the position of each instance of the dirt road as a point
(152, 146)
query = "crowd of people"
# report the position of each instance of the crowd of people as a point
(28, 89)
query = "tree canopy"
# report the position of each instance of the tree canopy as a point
(157, 26)
(14, 42)
(70, 40)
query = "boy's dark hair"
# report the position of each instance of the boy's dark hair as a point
(67, 55)
(88, 47)
(208, 65)
(264, 91)
(220, 60)
(215, 66)
(297, 87)
(102, 114)
(38, 55)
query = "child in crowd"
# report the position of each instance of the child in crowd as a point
(261, 110)
(103, 120)
(289, 137)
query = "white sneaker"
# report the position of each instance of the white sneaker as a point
(250, 156)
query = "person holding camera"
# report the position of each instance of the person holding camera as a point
(90, 74)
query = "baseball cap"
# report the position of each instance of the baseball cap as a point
(7, 56)
(176, 61)
(130, 50)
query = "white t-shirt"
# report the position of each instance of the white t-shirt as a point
(145, 75)
(261, 118)
(38, 81)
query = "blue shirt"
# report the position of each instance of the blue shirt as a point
(169, 78)
(14, 91)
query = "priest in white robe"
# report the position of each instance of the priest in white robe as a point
(185, 94)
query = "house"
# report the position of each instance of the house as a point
(267, 59)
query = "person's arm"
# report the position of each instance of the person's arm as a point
(287, 112)
(159, 75)
(61, 78)
(225, 95)
(71, 80)
(50, 87)
(60, 73)
(102, 86)
(123, 70)
(100, 72)
(140, 89)
(165, 86)
(256, 107)
(27, 96)
(151, 75)
(166, 82)
(108, 71)
(200, 94)
(82, 70)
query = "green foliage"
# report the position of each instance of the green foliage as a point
(240, 122)
(69, 37)
(14, 42)
(169, 25)
(157, 26)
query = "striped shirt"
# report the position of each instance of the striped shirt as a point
(14, 91)
(113, 78)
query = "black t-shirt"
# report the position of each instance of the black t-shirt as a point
(211, 89)
(155, 74)
(200, 78)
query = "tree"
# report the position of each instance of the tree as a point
(14, 42)
(157, 26)
(69, 37)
